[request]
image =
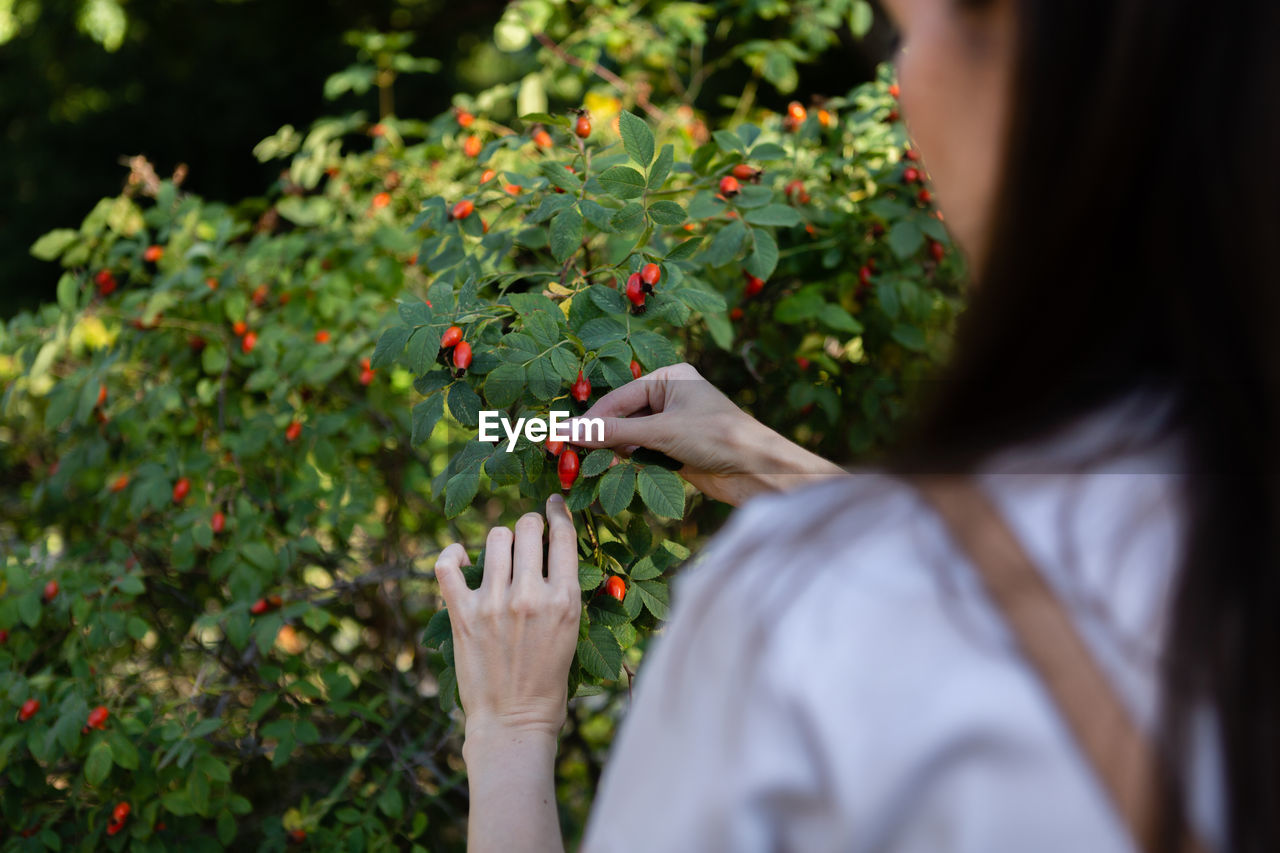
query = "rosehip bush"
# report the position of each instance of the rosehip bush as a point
(233, 447)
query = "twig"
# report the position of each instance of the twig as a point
(642, 99)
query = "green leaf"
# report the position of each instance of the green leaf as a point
(123, 751)
(629, 218)
(391, 804)
(779, 215)
(461, 490)
(464, 404)
(655, 596)
(53, 244)
(414, 312)
(598, 215)
(227, 828)
(910, 337)
(667, 213)
(622, 182)
(566, 233)
(860, 18)
(729, 141)
(905, 238)
(68, 291)
(504, 385)
(98, 764)
(653, 350)
(617, 487)
(763, 259)
(596, 462)
(599, 652)
(662, 168)
(559, 175)
(600, 331)
(725, 245)
(425, 417)
(607, 299)
(837, 318)
(390, 345)
(766, 151)
(662, 491)
(636, 138)
(685, 250)
(589, 576)
(438, 630)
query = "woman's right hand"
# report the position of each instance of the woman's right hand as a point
(726, 453)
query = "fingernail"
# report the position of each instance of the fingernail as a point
(556, 499)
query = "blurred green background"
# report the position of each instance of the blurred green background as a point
(87, 83)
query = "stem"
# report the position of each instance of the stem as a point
(641, 99)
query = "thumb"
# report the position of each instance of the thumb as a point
(648, 431)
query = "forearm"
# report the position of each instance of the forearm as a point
(778, 464)
(513, 801)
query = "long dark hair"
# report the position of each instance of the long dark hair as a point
(1136, 240)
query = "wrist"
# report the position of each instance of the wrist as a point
(489, 745)
(778, 463)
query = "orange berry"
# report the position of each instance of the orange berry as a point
(239, 328)
(451, 336)
(292, 431)
(729, 186)
(462, 209)
(381, 200)
(487, 176)
(28, 709)
(616, 587)
(249, 341)
(471, 147)
(181, 489)
(119, 483)
(465, 119)
(322, 336)
(542, 139)
(583, 126)
(153, 254)
(462, 355)
(218, 522)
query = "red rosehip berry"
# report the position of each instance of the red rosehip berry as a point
(181, 489)
(249, 341)
(465, 119)
(121, 812)
(635, 291)
(864, 276)
(105, 281)
(114, 828)
(239, 328)
(380, 201)
(729, 186)
(542, 139)
(98, 717)
(218, 522)
(487, 175)
(259, 295)
(462, 355)
(211, 283)
(796, 192)
(471, 147)
(651, 274)
(796, 112)
(582, 128)
(297, 836)
(911, 154)
(894, 91)
(50, 591)
(322, 336)
(937, 250)
(826, 119)
(102, 395)
(802, 362)
(153, 254)
(292, 431)
(366, 377)
(616, 587)
(119, 483)
(746, 172)
(581, 389)
(924, 197)
(28, 709)
(259, 607)
(4, 636)
(754, 285)
(735, 313)
(636, 370)
(555, 448)
(451, 336)
(462, 209)
(567, 468)
(892, 117)
(911, 175)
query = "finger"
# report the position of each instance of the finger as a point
(648, 431)
(528, 550)
(497, 562)
(562, 548)
(638, 394)
(453, 585)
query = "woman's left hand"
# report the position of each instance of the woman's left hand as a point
(514, 637)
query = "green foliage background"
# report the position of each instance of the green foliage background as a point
(329, 721)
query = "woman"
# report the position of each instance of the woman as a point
(833, 676)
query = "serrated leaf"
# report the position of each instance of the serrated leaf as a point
(685, 250)
(600, 331)
(729, 141)
(464, 404)
(653, 350)
(504, 385)
(661, 168)
(667, 213)
(461, 490)
(559, 175)
(905, 238)
(589, 576)
(425, 417)
(390, 345)
(596, 462)
(414, 312)
(662, 491)
(629, 218)
(598, 215)
(617, 487)
(636, 138)
(438, 630)
(566, 233)
(607, 299)
(910, 337)
(599, 652)
(655, 596)
(622, 182)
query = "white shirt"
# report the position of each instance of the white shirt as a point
(833, 677)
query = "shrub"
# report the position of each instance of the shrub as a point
(236, 443)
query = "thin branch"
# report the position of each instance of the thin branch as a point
(641, 98)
